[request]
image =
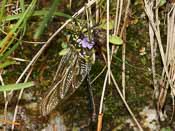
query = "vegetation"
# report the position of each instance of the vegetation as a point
(52, 52)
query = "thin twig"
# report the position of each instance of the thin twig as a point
(153, 44)
(107, 44)
(97, 11)
(100, 114)
(103, 92)
(123, 69)
(19, 98)
(124, 49)
(116, 18)
(158, 37)
(119, 15)
(5, 100)
(19, 59)
(98, 75)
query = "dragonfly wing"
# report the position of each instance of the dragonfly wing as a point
(68, 75)
(76, 74)
(71, 72)
(64, 64)
(51, 97)
(84, 68)
(50, 101)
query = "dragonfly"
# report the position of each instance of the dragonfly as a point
(73, 69)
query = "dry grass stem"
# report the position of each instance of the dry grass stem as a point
(19, 98)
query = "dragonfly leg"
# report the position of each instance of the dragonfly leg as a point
(91, 99)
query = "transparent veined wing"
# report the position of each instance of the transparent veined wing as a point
(71, 72)
(49, 102)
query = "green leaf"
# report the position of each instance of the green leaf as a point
(64, 51)
(166, 129)
(6, 63)
(35, 13)
(64, 45)
(10, 37)
(116, 40)
(104, 26)
(162, 2)
(16, 86)
(47, 18)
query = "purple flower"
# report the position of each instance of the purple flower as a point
(85, 43)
